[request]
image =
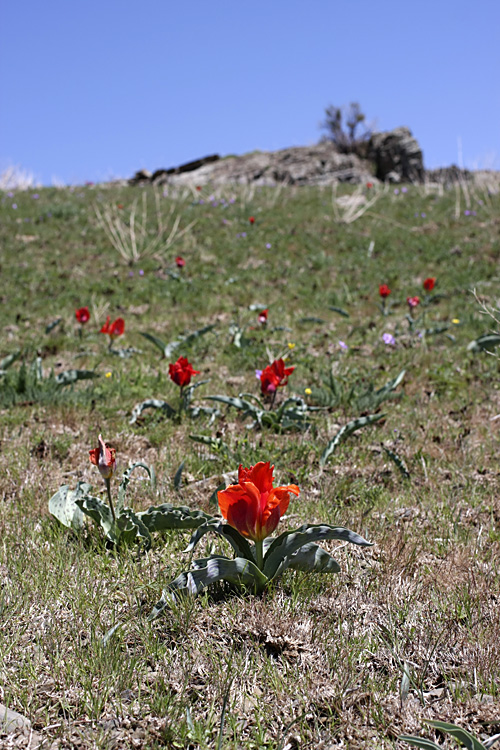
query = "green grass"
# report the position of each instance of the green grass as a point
(316, 659)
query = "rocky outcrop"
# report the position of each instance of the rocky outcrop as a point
(397, 156)
(308, 165)
(161, 175)
(394, 156)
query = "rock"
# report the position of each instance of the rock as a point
(397, 156)
(321, 164)
(10, 720)
(449, 175)
(143, 175)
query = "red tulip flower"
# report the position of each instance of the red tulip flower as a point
(263, 317)
(413, 302)
(384, 291)
(180, 262)
(429, 284)
(253, 506)
(114, 329)
(369, 185)
(82, 315)
(274, 376)
(251, 220)
(104, 458)
(181, 372)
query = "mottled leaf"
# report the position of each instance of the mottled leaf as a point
(63, 505)
(151, 403)
(206, 572)
(166, 516)
(484, 343)
(344, 433)
(290, 541)
(71, 376)
(235, 539)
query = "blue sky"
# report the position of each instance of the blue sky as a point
(93, 89)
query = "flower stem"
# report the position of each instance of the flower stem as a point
(108, 490)
(259, 553)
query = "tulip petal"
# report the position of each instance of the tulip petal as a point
(261, 475)
(239, 505)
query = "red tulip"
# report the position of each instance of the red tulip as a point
(429, 284)
(114, 329)
(180, 262)
(104, 458)
(82, 315)
(263, 317)
(274, 376)
(413, 302)
(384, 291)
(369, 185)
(181, 372)
(251, 220)
(253, 506)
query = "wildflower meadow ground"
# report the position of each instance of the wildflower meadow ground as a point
(249, 490)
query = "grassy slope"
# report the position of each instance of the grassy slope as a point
(318, 659)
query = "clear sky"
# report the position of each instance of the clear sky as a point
(93, 89)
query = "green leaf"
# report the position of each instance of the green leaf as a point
(166, 516)
(7, 361)
(126, 353)
(339, 310)
(311, 319)
(467, 739)
(257, 308)
(206, 572)
(344, 433)
(168, 349)
(491, 741)
(63, 505)
(151, 403)
(71, 376)
(132, 529)
(404, 687)
(484, 343)
(188, 338)
(100, 513)
(436, 329)
(213, 499)
(242, 405)
(290, 541)
(398, 461)
(178, 476)
(155, 340)
(188, 392)
(391, 385)
(216, 443)
(238, 403)
(310, 558)
(235, 539)
(50, 327)
(122, 489)
(419, 742)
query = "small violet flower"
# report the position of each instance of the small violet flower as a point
(389, 339)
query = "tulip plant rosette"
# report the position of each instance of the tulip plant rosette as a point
(120, 523)
(289, 415)
(180, 373)
(251, 511)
